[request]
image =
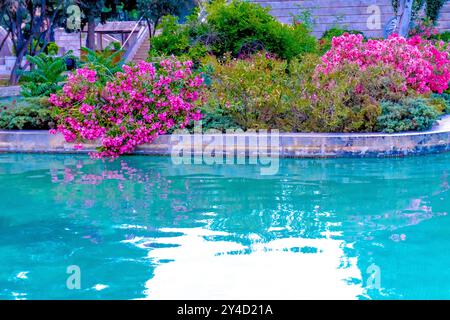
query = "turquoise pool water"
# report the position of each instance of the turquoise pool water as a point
(141, 227)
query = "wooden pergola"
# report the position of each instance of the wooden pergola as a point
(123, 28)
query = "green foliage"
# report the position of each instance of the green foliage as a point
(288, 42)
(31, 114)
(217, 119)
(240, 24)
(46, 75)
(444, 36)
(406, 115)
(173, 40)
(433, 7)
(252, 91)
(346, 100)
(267, 93)
(241, 28)
(52, 48)
(441, 102)
(106, 62)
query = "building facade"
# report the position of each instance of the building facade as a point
(368, 16)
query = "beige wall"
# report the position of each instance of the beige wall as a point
(353, 14)
(7, 47)
(67, 41)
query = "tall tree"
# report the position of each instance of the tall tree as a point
(29, 24)
(432, 7)
(153, 10)
(93, 10)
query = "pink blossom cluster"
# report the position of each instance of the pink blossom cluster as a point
(425, 65)
(424, 29)
(139, 104)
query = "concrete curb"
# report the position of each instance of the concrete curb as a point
(297, 145)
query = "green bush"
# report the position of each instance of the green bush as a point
(31, 114)
(288, 42)
(267, 93)
(407, 115)
(444, 36)
(240, 28)
(252, 92)
(46, 75)
(173, 40)
(105, 62)
(441, 102)
(218, 119)
(240, 24)
(347, 100)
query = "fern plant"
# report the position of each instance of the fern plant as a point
(46, 75)
(106, 62)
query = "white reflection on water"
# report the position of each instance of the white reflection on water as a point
(203, 269)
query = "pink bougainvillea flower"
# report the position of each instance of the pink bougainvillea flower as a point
(424, 64)
(139, 104)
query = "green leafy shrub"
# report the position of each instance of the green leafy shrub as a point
(46, 75)
(251, 91)
(267, 93)
(348, 100)
(440, 102)
(173, 40)
(406, 115)
(288, 42)
(241, 23)
(105, 62)
(240, 28)
(31, 114)
(216, 119)
(52, 48)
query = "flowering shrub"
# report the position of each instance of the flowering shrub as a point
(348, 99)
(252, 91)
(425, 29)
(263, 92)
(424, 64)
(140, 103)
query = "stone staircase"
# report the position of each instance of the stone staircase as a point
(142, 51)
(138, 51)
(6, 65)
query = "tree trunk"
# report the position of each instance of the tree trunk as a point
(14, 78)
(149, 26)
(2, 43)
(90, 40)
(404, 22)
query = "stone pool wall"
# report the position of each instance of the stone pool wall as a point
(10, 91)
(301, 145)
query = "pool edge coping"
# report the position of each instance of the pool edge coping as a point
(286, 145)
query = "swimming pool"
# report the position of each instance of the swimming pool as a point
(142, 227)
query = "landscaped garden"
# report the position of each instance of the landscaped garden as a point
(239, 69)
(226, 96)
